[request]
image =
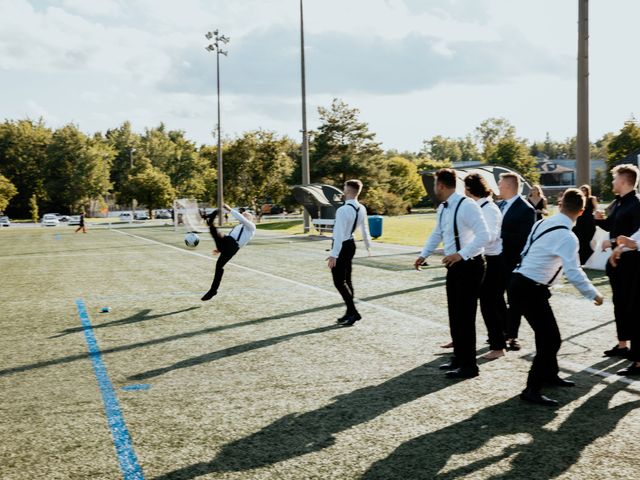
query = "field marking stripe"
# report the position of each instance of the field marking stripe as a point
(121, 439)
(305, 285)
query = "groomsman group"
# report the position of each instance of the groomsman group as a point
(491, 249)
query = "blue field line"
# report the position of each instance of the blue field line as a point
(121, 439)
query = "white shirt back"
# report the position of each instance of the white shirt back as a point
(343, 225)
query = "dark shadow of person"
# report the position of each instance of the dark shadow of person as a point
(547, 455)
(299, 434)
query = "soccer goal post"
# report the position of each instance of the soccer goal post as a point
(186, 216)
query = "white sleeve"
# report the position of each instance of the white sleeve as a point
(472, 217)
(636, 237)
(244, 221)
(492, 217)
(435, 238)
(568, 252)
(366, 238)
(339, 227)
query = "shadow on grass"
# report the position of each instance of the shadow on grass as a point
(548, 454)
(205, 331)
(299, 434)
(141, 316)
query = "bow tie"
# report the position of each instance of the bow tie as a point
(445, 204)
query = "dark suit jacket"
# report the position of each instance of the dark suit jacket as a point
(516, 225)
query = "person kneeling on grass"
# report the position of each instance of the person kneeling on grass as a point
(551, 246)
(228, 245)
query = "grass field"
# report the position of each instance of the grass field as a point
(259, 383)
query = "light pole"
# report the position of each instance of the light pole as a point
(131, 150)
(583, 170)
(306, 177)
(215, 47)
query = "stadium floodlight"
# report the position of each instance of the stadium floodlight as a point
(215, 47)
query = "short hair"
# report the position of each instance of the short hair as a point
(354, 184)
(573, 200)
(511, 176)
(586, 187)
(477, 185)
(447, 177)
(629, 170)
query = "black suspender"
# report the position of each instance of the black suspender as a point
(355, 223)
(456, 234)
(531, 242)
(241, 230)
(486, 202)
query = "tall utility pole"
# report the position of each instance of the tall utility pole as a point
(133, 201)
(306, 177)
(215, 47)
(583, 168)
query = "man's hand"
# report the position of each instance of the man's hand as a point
(227, 207)
(615, 256)
(331, 262)
(598, 215)
(626, 242)
(450, 260)
(418, 263)
(598, 300)
(606, 244)
(216, 251)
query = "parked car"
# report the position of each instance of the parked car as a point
(126, 217)
(63, 218)
(50, 220)
(141, 216)
(5, 222)
(163, 214)
(74, 220)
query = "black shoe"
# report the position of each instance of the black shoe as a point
(452, 365)
(617, 352)
(561, 382)
(513, 345)
(349, 320)
(536, 397)
(209, 295)
(632, 369)
(468, 372)
(342, 318)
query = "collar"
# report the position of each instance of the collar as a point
(353, 202)
(626, 196)
(512, 199)
(564, 220)
(480, 201)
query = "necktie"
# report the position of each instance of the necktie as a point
(502, 204)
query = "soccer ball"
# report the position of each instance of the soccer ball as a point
(191, 239)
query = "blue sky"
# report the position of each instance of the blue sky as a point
(415, 68)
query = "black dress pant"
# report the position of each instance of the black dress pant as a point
(228, 247)
(492, 304)
(623, 287)
(341, 274)
(533, 301)
(464, 279)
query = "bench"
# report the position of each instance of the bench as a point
(323, 225)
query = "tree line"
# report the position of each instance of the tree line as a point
(69, 171)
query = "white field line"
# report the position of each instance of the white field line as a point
(294, 282)
(564, 363)
(61, 255)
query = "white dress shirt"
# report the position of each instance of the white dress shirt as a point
(472, 229)
(507, 204)
(493, 218)
(243, 232)
(345, 216)
(553, 251)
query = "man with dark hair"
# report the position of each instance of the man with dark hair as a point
(461, 228)
(517, 218)
(623, 219)
(492, 304)
(348, 217)
(550, 247)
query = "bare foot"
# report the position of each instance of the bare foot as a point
(494, 354)
(447, 345)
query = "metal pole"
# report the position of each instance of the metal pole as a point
(220, 195)
(583, 170)
(306, 177)
(131, 149)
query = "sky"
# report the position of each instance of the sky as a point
(414, 68)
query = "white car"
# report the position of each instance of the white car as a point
(74, 220)
(126, 217)
(5, 222)
(50, 220)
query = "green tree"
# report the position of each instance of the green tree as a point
(150, 187)
(404, 180)
(129, 158)
(33, 208)
(627, 141)
(514, 153)
(442, 149)
(343, 148)
(490, 132)
(7, 192)
(23, 160)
